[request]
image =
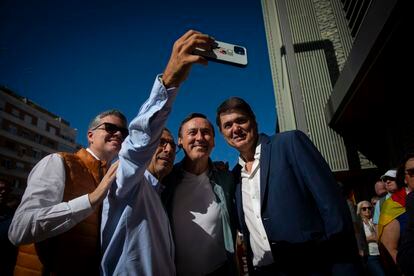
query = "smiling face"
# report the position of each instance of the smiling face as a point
(197, 139)
(104, 144)
(239, 131)
(163, 159)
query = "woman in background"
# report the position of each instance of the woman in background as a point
(373, 264)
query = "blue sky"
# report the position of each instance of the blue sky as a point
(78, 58)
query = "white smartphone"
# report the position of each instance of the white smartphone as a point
(225, 53)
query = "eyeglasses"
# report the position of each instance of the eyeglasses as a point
(164, 142)
(410, 172)
(366, 208)
(112, 129)
(387, 178)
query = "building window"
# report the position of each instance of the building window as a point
(22, 150)
(6, 163)
(37, 154)
(13, 129)
(26, 134)
(50, 143)
(15, 112)
(2, 105)
(19, 165)
(10, 145)
(28, 119)
(41, 124)
(52, 130)
(38, 138)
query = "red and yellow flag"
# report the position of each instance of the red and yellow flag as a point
(392, 208)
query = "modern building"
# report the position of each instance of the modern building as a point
(371, 102)
(28, 132)
(309, 42)
(338, 74)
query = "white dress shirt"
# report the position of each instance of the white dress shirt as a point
(262, 254)
(41, 213)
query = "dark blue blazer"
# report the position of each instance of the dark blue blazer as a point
(303, 212)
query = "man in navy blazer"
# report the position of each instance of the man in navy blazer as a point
(289, 206)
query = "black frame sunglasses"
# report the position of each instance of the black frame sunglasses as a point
(366, 208)
(387, 178)
(112, 129)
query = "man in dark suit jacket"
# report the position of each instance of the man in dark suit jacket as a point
(289, 206)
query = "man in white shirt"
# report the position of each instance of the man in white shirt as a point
(60, 209)
(289, 206)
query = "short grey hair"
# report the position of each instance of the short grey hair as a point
(112, 112)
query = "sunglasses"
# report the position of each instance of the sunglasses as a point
(387, 178)
(410, 172)
(366, 208)
(112, 129)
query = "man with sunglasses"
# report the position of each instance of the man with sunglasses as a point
(390, 184)
(60, 209)
(136, 234)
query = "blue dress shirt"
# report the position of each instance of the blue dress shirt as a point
(136, 234)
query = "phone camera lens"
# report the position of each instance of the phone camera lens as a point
(239, 50)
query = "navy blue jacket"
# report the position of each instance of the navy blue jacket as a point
(306, 219)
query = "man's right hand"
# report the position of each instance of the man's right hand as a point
(182, 59)
(98, 195)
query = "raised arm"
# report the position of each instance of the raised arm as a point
(146, 128)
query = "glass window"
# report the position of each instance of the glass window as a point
(41, 124)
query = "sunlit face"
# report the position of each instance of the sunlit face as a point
(197, 139)
(163, 159)
(409, 173)
(104, 144)
(238, 130)
(366, 210)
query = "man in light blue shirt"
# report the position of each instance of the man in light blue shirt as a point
(136, 235)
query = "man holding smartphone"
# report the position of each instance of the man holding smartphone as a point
(136, 235)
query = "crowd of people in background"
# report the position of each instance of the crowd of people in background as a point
(143, 215)
(387, 222)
